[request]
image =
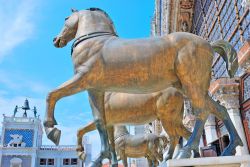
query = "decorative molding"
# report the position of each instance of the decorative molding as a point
(185, 15)
(186, 4)
(226, 90)
(244, 56)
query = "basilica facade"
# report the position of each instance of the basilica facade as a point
(213, 20)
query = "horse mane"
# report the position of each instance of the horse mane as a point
(105, 13)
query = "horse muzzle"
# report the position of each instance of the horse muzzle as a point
(59, 42)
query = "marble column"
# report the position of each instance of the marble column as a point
(210, 129)
(226, 90)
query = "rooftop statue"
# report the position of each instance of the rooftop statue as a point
(104, 62)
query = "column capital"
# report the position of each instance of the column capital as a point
(226, 90)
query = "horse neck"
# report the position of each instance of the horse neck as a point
(120, 131)
(90, 24)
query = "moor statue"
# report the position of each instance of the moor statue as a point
(103, 62)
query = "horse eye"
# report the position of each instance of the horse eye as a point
(66, 18)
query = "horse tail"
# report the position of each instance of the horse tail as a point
(229, 55)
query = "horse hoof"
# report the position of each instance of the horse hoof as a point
(228, 152)
(231, 148)
(81, 155)
(167, 157)
(184, 152)
(95, 164)
(114, 165)
(53, 134)
(105, 154)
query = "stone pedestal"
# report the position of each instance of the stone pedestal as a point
(226, 90)
(228, 161)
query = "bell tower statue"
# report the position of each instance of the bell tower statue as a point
(21, 137)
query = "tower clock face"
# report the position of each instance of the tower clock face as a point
(18, 138)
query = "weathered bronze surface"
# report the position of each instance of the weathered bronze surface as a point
(148, 145)
(136, 109)
(108, 63)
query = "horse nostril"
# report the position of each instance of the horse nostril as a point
(54, 39)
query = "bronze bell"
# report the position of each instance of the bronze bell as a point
(26, 105)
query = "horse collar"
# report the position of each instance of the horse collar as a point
(88, 36)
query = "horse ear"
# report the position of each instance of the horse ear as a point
(74, 10)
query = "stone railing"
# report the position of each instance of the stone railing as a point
(20, 119)
(59, 148)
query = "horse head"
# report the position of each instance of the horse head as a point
(83, 22)
(68, 31)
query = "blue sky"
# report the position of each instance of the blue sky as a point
(30, 66)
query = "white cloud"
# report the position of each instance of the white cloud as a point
(14, 81)
(17, 23)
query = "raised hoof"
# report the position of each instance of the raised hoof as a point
(53, 134)
(81, 155)
(184, 152)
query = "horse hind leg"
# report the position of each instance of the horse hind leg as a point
(169, 108)
(193, 140)
(112, 146)
(221, 112)
(193, 68)
(125, 161)
(170, 112)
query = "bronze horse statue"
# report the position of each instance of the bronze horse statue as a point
(148, 145)
(134, 109)
(103, 62)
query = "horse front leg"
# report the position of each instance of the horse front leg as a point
(80, 133)
(70, 87)
(96, 99)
